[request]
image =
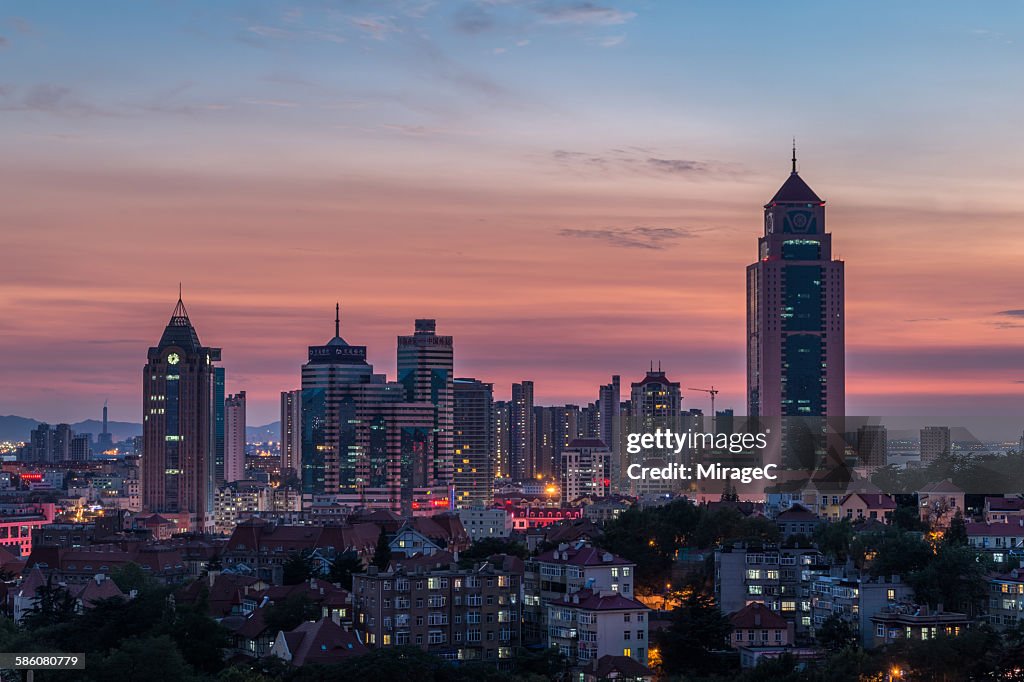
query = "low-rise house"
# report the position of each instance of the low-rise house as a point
(1004, 509)
(874, 506)
(797, 520)
(917, 622)
(940, 502)
(323, 643)
(855, 600)
(615, 669)
(1003, 542)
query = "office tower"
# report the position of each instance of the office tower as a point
(935, 443)
(218, 425)
(502, 439)
(105, 441)
(178, 425)
(81, 449)
(656, 401)
(291, 434)
(872, 445)
(426, 369)
(795, 327)
(585, 470)
(363, 442)
(473, 419)
(544, 441)
(330, 384)
(608, 401)
(234, 438)
(523, 448)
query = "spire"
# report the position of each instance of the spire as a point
(337, 320)
(794, 154)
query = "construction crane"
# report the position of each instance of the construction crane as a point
(713, 392)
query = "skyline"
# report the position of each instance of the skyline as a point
(578, 180)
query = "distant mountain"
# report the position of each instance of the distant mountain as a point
(15, 428)
(259, 434)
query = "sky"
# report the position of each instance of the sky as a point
(572, 189)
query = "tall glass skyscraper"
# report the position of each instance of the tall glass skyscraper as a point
(426, 370)
(474, 442)
(179, 430)
(795, 325)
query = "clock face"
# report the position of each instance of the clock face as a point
(173, 359)
(769, 223)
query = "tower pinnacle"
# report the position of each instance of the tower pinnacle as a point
(337, 320)
(794, 155)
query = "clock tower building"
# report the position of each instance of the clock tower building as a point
(795, 317)
(179, 426)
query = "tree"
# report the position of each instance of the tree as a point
(289, 613)
(142, 659)
(201, 639)
(382, 554)
(297, 568)
(955, 577)
(54, 605)
(836, 634)
(344, 565)
(130, 576)
(698, 628)
(956, 534)
(834, 539)
(482, 549)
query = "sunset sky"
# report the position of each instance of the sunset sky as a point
(573, 189)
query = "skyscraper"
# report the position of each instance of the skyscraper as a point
(795, 326)
(522, 448)
(502, 439)
(219, 395)
(473, 419)
(234, 438)
(331, 380)
(608, 401)
(105, 441)
(656, 401)
(291, 434)
(178, 425)
(363, 442)
(426, 370)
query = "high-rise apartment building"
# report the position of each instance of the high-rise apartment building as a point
(935, 443)
(291, 431)
(872, 445)
(178, 425)
(523, 460)
(234, 437)
(473, 433)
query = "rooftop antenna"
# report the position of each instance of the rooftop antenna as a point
(337, 319)
(794, 154)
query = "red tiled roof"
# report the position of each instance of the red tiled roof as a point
(582, 556)
(598, 601)
(874, 500)
(322, 642)
(797, 513)
(603, 668)
(757, 615)
(94, 591)
(1004, 503)
(980, 529)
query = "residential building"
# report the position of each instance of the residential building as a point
(457, 614)
(856, 600)
(1006, 598)
(755, 628)
(590, 623)
(909, 621)
(522, 444)
(473, 442)
(234, 437)
(484, 522)
(935, 443)
(551, 575)
(585, 470)
(940, 502)
(877, 506)
(291, 431)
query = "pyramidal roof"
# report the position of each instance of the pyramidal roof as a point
(179, 331)
(794, 189)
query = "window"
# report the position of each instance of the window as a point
(627, 651)
(625, 618)
(639, 634)
(625, 635)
